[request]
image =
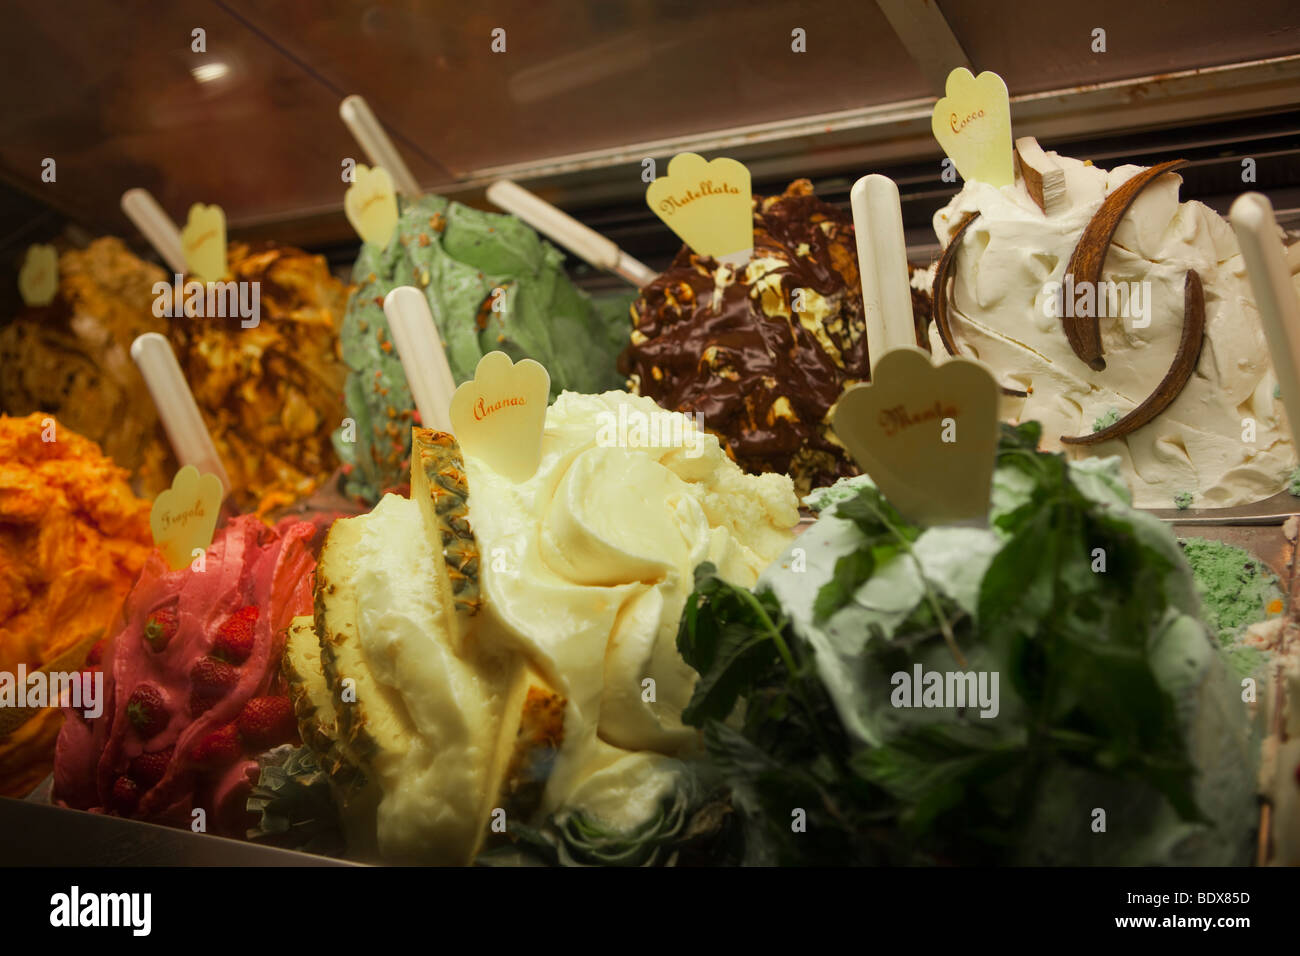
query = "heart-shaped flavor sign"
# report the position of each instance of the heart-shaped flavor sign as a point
(371, 205)
(927, 435)
(500, 414)
(708, 204)
(204, 242)
(184, 517)
(973, 125)
(38, 279)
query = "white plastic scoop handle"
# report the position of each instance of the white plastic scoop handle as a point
(370, 136)
(176, 407)
(1270, 279)
(882, 263)
(156, 226)
(424, 360)
(583, 241)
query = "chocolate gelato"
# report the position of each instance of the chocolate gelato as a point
(763, 351)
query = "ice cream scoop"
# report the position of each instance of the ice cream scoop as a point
(492, 284)
(762, 351)
(512, 643)
(1167, 326)
(70, 359)
(194, 688)
(271, 390)
(1037, 786)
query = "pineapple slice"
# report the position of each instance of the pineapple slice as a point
(371, 718)
(313, 704)
(439, 486)
(529, 739)
(504, 715)
(536, 741)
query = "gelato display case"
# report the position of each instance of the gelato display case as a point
(650, 433)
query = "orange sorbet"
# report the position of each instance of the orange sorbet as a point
(73, 538)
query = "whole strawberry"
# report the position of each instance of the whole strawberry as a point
(217, 749)
(147, 711)
(96, 655)
(125, 796)
(267, 721)
(235, 636)
(161, 626)
(147, 769)
(211, 680)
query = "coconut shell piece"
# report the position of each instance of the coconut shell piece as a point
(1188, 354)
(939, 294)
(1084, 332)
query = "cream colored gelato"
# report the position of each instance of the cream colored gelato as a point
(583, 572)
(587, 566)
(1224, 440)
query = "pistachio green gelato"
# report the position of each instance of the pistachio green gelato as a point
(1236, 590)
(460, 257)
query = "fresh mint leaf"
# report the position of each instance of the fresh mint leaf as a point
(851, 572)
(934, 770)
(1019, 438)
(731, 637)
(875, 516)
(744, 652)
(885, 533)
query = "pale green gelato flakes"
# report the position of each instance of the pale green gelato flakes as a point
(1235, 587)
(1105, 421)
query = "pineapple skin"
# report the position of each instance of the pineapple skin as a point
(536, 744)
(438, 475)
(313, 705)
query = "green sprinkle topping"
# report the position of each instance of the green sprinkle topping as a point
(1110, 418)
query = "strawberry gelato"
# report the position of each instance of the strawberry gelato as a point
(193, 689)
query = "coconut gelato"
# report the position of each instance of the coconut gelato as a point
(1224, 440)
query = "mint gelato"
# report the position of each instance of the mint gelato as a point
(492, 283)
(865, 658)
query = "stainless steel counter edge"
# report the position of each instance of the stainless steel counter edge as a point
(33, 834)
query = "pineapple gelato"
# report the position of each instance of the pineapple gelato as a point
(1223, 441)
(512, 646)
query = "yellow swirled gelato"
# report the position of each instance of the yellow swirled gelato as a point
(512, 646)
(587, 565)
